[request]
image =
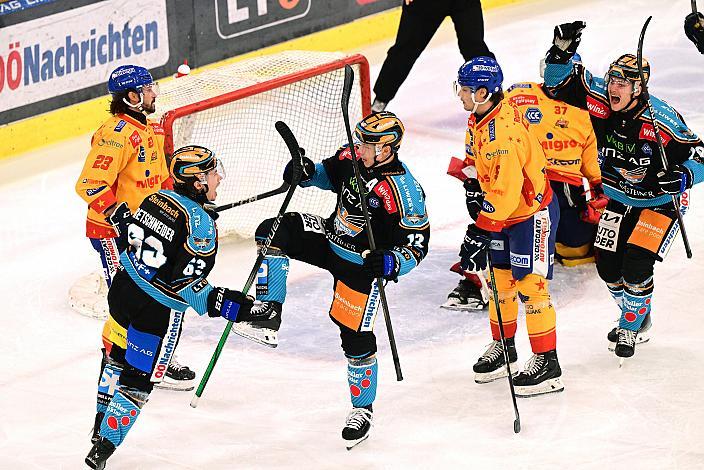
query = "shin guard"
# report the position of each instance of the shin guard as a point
(636, 303)
(121, 414)
(361, 376)
(108, 384)
(272, 275)
(506, 288)
(540, 314)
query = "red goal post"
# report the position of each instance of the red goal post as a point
(232, 110)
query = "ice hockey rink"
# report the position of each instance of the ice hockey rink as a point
(285, 407)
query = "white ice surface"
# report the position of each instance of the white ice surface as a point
(284, 408)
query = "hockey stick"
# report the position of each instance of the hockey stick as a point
(495, 294)
(293, 147)
(346, 91)
(280, 190)
(656, 129)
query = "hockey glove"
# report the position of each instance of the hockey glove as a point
(595, 206)
(232, 305)
(381, 263)
(675, 180)
(120, 220)
(694, 30)
(473, 250)
(473, 197)
(566, 38)
(308, 169)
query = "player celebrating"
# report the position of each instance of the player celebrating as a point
(638, 225)
(172, 248)
(518, 217)
(339, 244)
(126, 163)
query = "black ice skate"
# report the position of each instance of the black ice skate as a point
(177, 377)
(99, 454)
(541, 375)
(264, 324)
(357, 427)
(492, 365)
(626, 345)
(643, 335)
(466, 296)
(96, 427)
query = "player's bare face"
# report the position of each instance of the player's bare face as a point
(465, 94)
(149, 94)
(213, 178)
(620, 92)
(367, 153)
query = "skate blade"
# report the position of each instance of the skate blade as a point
(352, 444)
(620, 361)
(486, 377)
(176, 385)
(549, 386)
(464, 307)
(263, 336)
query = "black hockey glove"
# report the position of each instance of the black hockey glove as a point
(473, 250)
(566, 38)
(473, 197)
(675, 180)
(308, 169)
(694, 30)
(229, 304)
(120, 220)
(381, 263)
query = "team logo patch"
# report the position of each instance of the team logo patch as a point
(142, 157)
(487, 207)
(534, 115)
(94, 191)
(492, 130)
(632, 176)
(120, 125)
(563, 123)
(646, 149)
(373, 202)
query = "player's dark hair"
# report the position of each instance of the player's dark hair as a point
(497, 97)
(117, 105)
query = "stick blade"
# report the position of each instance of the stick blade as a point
(293, 148)
(347, 87)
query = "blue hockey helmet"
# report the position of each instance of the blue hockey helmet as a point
(481, 72)
(129, 77)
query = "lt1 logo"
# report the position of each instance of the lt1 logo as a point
(237, 17)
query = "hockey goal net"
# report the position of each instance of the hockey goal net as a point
(232, 110)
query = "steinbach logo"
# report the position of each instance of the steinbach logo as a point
(238, 17)
(26, 65)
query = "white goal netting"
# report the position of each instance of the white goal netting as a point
(232, 110)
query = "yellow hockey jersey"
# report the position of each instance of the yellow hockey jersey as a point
(564, 131)
(511, 167)
(126, 163)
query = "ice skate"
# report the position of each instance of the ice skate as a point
(99, 454)
(357, 427)
(492, 365)
(541, 375)
(626, 345)
(466, 296)
(264, 326)
(643, 335)
(177, 377)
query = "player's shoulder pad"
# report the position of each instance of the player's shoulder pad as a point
(670, 120)
(202, 233)
(408, 196)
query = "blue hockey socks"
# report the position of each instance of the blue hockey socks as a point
(272, 275)
(636, 304)
(361, 376)
(121, 414)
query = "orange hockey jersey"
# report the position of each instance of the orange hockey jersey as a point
(126, 163)
(510, 167)
(564, 131)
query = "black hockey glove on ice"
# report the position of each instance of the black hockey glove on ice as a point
(566, 38)
(473, 197)
(473, 250)
(381, 263)
(675, 180)
(694, 30)
(229, 304)
(308, 169)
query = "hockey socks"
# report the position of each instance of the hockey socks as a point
(361, 377)
(121, 414)
(540, 314)
(506, 288)
(636, 304)
(271, 279)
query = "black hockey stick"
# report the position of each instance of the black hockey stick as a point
(293, 147)
(346, 91)
(495, 292)
(280, 190)
(656, 129)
